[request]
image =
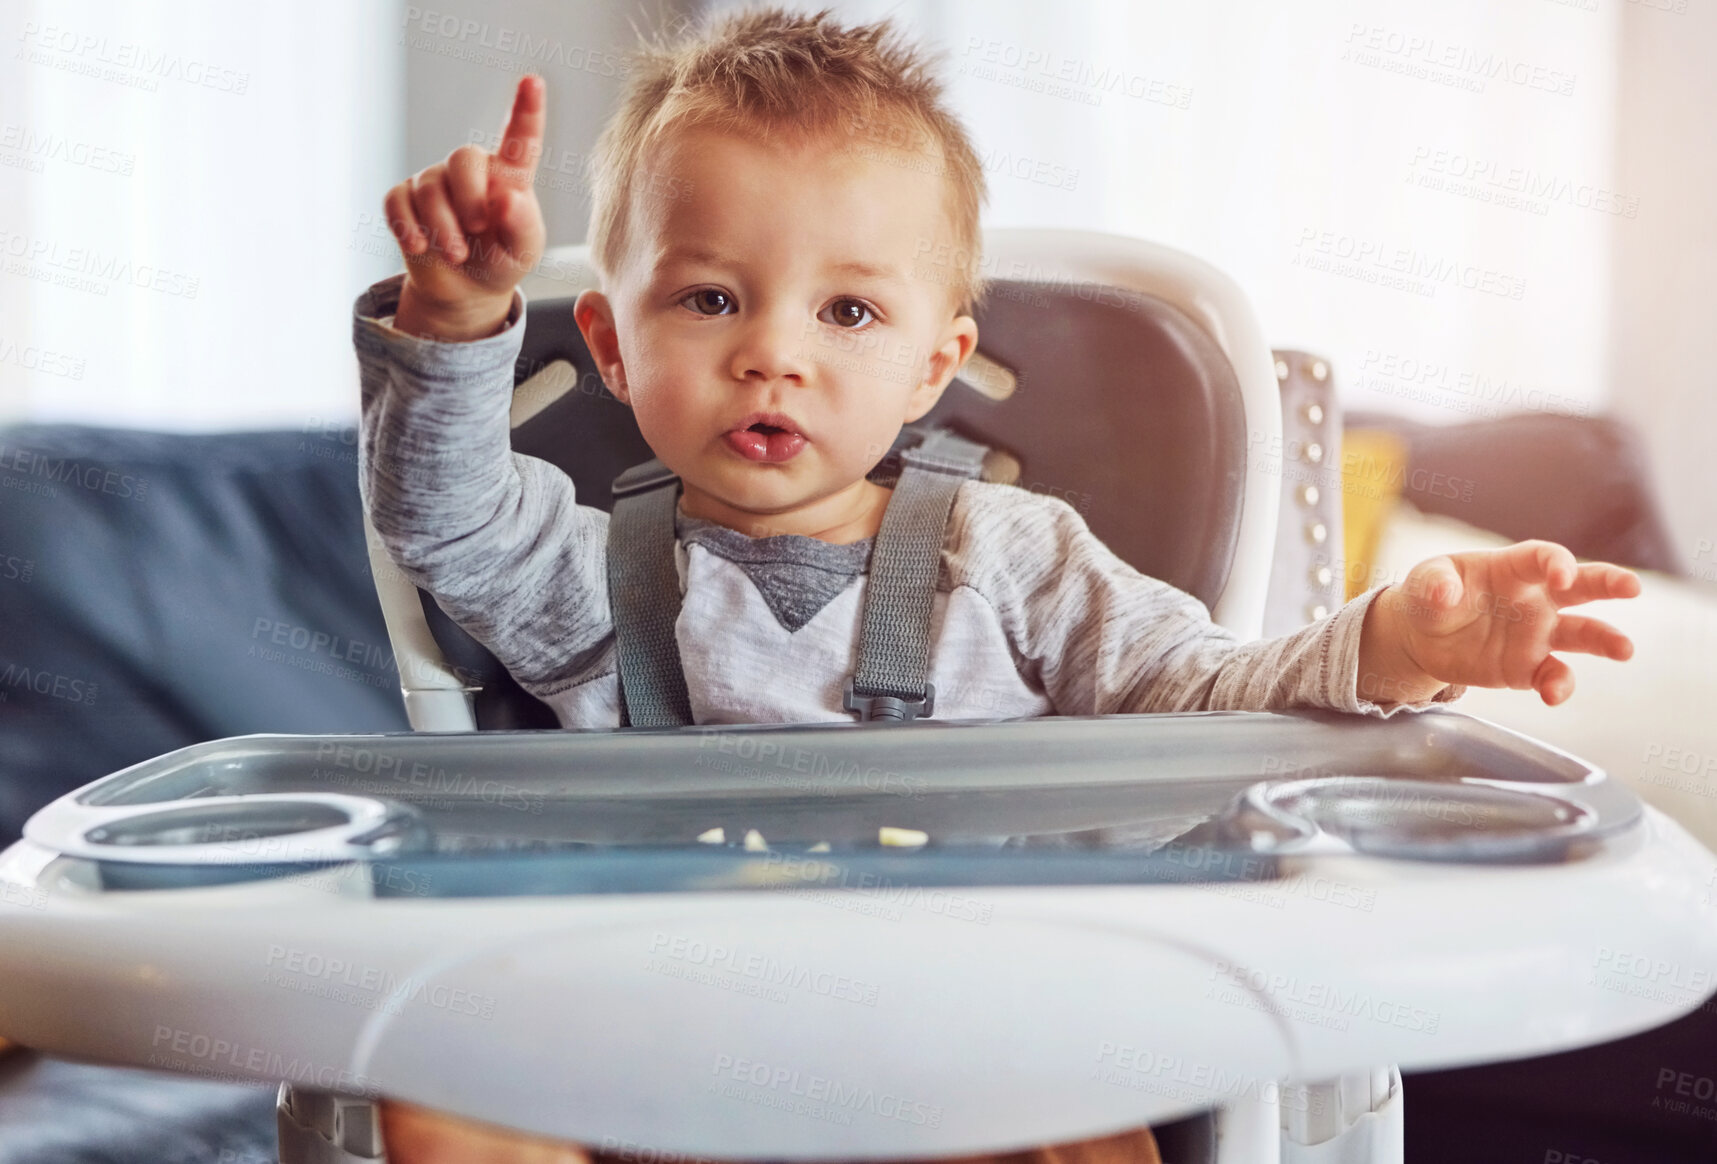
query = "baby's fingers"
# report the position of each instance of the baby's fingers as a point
(1591, 636)
(1554, 680)
(468, 187)
(435, 213)
(1597, 580)
(522, 140)
(1539, 560)
(402, 220)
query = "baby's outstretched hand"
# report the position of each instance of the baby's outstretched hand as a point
(470, 227)
(1491, 618)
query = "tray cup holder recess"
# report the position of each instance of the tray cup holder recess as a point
(221, 824)
(255, 829)
(1411, 819)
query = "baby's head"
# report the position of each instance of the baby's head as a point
(768, 201)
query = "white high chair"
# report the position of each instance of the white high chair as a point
(1124, 376)
(1225, 925)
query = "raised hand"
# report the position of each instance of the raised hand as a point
(1491, 618)
(470, 228)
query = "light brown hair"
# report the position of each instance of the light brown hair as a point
(774, 73)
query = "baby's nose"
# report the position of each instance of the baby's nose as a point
(772, 347)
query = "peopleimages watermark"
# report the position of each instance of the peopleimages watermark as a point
(25, 149)
(1436, 382)
(717, 964)
(1371, 260)
(799, 766)
(870, 353)
(195, 1053)
(16, 569)
(1451, 63)
(348, 760)
(944, 263)
(1242, 875)
(807, 1093)
(1313, 1003)
(1680, 769)
(89, 269)
(868, 893)
(1688, 1093)
(32, 472)
(898, 143)
(122, 62)
(324, 652)
(1640, 975)
(365, 879)
(635, 1153)
(1704, 565)
(44, 360)
(1049, 73)
(501, 46)
(1358, 474)
(564, 169)
(370, 987)
(38, 680)
(1142, 1069)
(22, 896)
(1512, 187)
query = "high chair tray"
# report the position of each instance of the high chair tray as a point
(850, 941)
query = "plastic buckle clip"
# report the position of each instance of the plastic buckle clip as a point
(889, 708)
(642, 478)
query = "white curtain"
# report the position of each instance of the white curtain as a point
(1420, 190)
(189, 200)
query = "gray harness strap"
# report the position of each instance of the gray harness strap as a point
(644, 597)
(894, 641)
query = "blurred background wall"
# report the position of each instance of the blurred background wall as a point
(1473, 207)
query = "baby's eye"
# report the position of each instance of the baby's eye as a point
(709, 301)
(847, 313)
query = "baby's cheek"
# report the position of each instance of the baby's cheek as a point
(864, 443)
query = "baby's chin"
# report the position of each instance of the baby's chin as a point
(766, 498)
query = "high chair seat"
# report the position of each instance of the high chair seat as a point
(1127, 378)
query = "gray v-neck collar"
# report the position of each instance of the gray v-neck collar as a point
(796, 575)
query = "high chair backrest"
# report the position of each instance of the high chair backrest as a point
(1129, 379)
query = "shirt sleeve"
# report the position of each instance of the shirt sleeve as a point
(496, 536)
(1101, 638)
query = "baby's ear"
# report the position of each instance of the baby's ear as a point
(595, 315)
(954, 346)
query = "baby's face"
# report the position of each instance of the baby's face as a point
(780, 288)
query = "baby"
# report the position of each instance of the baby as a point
(761, 192)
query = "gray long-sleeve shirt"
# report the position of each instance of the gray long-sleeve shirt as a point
(1033, 615)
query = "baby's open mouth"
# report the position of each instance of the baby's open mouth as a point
(766, 437)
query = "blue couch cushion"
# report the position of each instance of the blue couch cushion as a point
(162, 589)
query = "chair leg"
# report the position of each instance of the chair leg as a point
(318, 1127)
(1357, 1118)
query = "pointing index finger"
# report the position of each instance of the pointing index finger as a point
(522, 139)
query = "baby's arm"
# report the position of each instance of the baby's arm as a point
(1101, 638)
(497, 537)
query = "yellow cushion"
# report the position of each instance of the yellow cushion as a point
(1373, 466)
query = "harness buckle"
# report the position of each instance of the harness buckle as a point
(642, 478)
(889, 708)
